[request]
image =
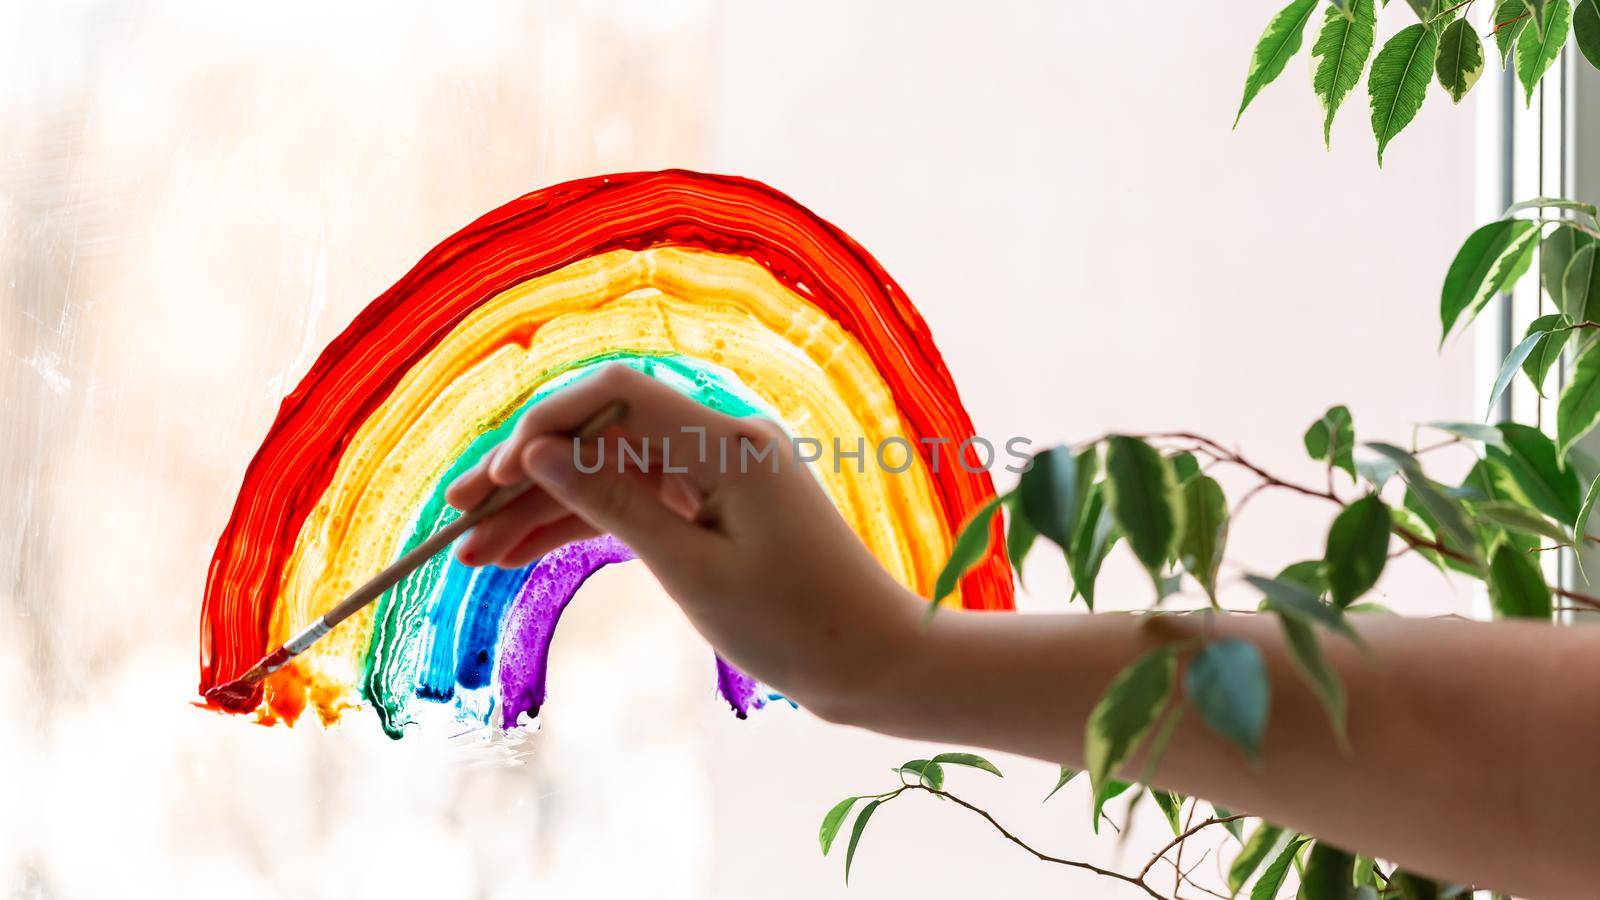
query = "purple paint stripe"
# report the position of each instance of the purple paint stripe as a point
(530, 625)
(739, 689)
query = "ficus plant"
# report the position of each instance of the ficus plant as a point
(1154, 496)
(1449, 43)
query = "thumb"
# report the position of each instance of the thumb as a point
(610, 500)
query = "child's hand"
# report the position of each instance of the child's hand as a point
(759, 559)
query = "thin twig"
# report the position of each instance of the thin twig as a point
(1185, 876)
(1187, 833)
(1439, 446)
(1177, 860)
(1511, 20)
(1042, 856)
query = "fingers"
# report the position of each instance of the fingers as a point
(620, 503)
(473, 486)
(540, 541)
(660, 423)
(489, 541)
(663, 423)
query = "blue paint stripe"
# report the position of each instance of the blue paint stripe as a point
(486, 606)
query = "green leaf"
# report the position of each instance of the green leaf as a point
(1404, 519)
(928, 772)
(1520, 518)
(1555, 253)
(1546, 350)
(1455, 555)
(1332, 439)
(832, 821)
(1516, 586)
(1053, 490)
(1357, 548)
(1416, 887)
(1471, 431)
(1501, 509)
(1341, 53)
(1510, 19)
(1309, 574)
(1586, 26)
(1578, 411)
(1126, 712)
(1020, 535)
(1171, 806)
(1205, 531)
(1530, 457)
(1233, 826)
(1256, 849)
(1142, 494)
(1067, 774)
(1227, 683)
(855, 835)
(1492, 481)
(971, 545)
(1271, 880)
(1580, 284)
(1543, 203)
(1293, 599)
(1278, 44)
(1329, 874)
(1580, 525)
(1306, 652)
(1448, 518)
(1377, 470)
(1538, 48)
(1517, 358)
(1398, 82)
(1184, 467)
(1460, 59)
(1159, 739)
(1090, 545)
(970, 760)
(1493, 258)
(1538, 9)
(1366, 872)
(1110, 792)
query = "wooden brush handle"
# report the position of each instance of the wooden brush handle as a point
(500, 499)
(238, 690)
(421, 553)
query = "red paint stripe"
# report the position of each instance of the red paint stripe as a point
(528, 237)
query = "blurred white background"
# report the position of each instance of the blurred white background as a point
(195, 197)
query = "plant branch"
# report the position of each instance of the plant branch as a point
(1413, 540)
(1223, 454)
(1185, 835)
(1510, 21)
(1039, 854)
(1138, 881)
(1417, 542)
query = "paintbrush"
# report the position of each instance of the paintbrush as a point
(236, 694)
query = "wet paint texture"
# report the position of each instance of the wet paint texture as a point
(720, 287)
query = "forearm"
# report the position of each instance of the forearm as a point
(1470, 743)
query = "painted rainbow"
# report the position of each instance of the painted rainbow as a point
(720, 286)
